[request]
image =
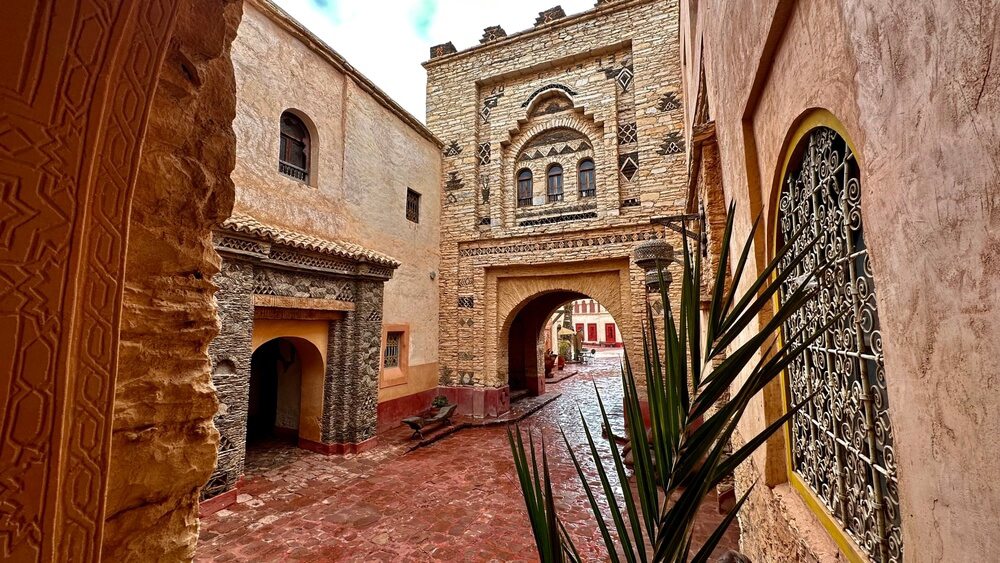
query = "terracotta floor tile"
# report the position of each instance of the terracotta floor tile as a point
(454, 500)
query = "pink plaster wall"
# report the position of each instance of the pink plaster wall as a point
(916, 87)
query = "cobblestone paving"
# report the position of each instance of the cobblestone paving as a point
(454, 500)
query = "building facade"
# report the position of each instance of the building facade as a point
(327, 333)
(877, 130)
(562, 143)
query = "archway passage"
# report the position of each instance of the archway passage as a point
(283, 398)
(528, 341)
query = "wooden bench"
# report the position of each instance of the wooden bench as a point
(419, 423)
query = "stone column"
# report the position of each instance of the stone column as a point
(230, 353)
(353, 362)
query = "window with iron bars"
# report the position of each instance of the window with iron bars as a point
(554, 189)
(293, 155)
(524, 189)
(588, 186)
(392, 343)
(412, 206)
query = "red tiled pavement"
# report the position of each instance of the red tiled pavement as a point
(454, 500)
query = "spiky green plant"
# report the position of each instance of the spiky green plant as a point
(682, 385)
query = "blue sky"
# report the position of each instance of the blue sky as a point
(388, 39)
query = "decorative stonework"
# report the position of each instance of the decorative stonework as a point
(484, 152)
(443, 49)
(549, 16)
(673, 143)
(538, 107)
(271, 267)
(627, 134)
(535, 94)
(493, 33)
(628, 164)
(453, 149)
(669, 102)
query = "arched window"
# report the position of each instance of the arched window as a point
(554, 188)
(293, 155)
(524, 188)
(842, 449)
(588, 185)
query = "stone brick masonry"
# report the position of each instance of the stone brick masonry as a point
(604, 85)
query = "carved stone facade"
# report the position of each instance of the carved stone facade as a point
(269, 273)
(575, 89)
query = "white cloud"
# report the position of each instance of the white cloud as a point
(388, 39)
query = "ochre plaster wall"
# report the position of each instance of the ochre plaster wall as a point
(164, 400)
(918, 93)
(369, 153)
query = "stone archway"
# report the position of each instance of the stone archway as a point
(532, 293)
(115, 113)
(525, 340)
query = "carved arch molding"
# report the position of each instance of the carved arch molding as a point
(76, 81)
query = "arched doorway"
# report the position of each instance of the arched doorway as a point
(275, 392)
(285, 399)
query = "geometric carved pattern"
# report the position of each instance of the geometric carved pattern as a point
(628, 164)
(549, 16)
(453, 149)
(492, 33)
(673, 143)
(544, 88)
(626, 133)
(262, 284)
(558, 219)
(669, 102)
(484, 153)
(45, 156)
(466, 302)
(243, 245)
(623, 76)
(566, 242)
(490, 102)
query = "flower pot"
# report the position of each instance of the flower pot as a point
(562, 362)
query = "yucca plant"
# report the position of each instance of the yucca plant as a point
(685, 460)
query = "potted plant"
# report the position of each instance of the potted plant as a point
(438, 402)
(563, 352)
(550, 362)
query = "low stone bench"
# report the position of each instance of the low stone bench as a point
(419, 423)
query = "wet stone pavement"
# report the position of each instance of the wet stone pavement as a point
(456, 499)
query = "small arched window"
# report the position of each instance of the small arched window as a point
(554, 186)
(524, 190)
(588, 185)
(293, 155)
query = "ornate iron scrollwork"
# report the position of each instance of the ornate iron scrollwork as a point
(842, 442)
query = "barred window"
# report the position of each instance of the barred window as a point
(841, 441)
(412, 206)
(524, 190)
(588, 186)
(554, 187)
(293, 155)
(392, 344)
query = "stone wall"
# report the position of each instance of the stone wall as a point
(916, 92)
(164, 400)
(368, 153)
(317, 288)
(605, 85)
